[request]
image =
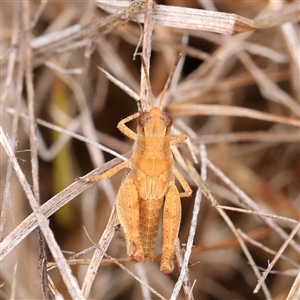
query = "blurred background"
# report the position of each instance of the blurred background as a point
(257, 70)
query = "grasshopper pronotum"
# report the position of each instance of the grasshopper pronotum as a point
(150, 185)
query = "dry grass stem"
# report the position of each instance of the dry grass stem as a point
(47, 209)
(251, 204)
(99, 253)
(277, 256)
(121, 85)
(135, 277)
(294, 292)
(211, 21)
(188, 250)
(266, 249)
(145, 89)
(219, 110)
(247, 211)
(43, 223)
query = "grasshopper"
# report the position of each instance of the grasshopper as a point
(150, 184)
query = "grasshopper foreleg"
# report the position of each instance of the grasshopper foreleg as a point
(127, 131)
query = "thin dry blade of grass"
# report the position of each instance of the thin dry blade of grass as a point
(184, 267)
(33, 143)
(190, 242)
(67, 134)
(277, 256)
(220, 110)
(99, 253)
(294, 292)
(259, 136)
(47, 209)
(84, 31)
(145, 89)
(77, 36)
(266, 249)
(200, 183)
(252, 205)
(43, 223)
(135, 277)
(211, 21)
(268, 88)
(247, 211)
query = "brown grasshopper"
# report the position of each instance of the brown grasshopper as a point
(150, 185)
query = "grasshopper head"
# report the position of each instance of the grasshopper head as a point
(154, 123)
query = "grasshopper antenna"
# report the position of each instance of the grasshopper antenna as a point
(148, 82)
(162, 95)
(140, 107)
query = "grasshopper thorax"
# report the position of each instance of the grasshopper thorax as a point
(154, 123)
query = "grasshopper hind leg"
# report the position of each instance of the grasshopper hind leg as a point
(171, 224)
(128, 213)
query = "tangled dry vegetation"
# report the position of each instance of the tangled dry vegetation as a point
(236, 95)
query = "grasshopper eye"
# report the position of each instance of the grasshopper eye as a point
(166, 119)
(143, 119)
